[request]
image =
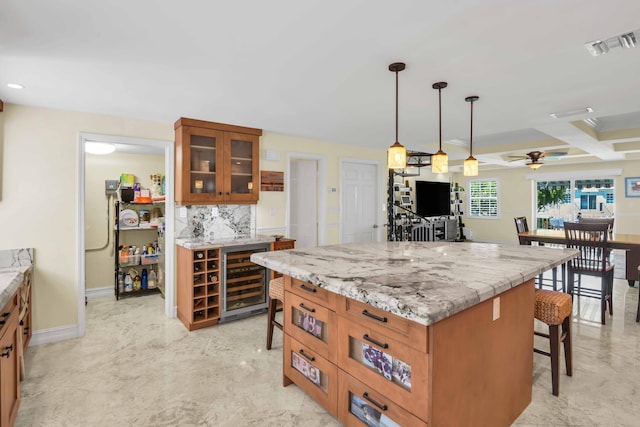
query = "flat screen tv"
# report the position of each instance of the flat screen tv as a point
(433, 198)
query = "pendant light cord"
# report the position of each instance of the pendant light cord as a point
(396, 106)
(440, 117)
(471, 133)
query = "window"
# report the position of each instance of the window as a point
(483, 199)
(587, 201)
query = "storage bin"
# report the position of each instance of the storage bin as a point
(149, 259)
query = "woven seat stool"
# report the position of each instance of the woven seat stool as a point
(276, 293)
(554, 309)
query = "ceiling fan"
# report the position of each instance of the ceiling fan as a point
(534, 157)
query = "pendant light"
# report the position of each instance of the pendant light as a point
(397, 154)
(440, 160)
(471, 163)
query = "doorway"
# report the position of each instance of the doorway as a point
(360, 182)
(306, 202)
(129, 145)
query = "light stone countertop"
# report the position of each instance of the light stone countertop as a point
(219, 243)
(14, 263)
(422, 281)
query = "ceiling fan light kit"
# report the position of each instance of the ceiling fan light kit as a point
(471, 163)
(397, 153)
(440, 160)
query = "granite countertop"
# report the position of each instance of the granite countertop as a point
(14, 263)
(421, 281)
(199, 243)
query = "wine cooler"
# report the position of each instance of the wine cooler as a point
(245, 283)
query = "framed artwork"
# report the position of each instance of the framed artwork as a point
(632, 186)
(271, 181)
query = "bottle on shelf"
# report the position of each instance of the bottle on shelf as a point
(152, 280)
(137, 283)
(128, 283)
(144, 281)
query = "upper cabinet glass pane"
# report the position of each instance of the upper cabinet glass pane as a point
(203, 164)
(241, 166)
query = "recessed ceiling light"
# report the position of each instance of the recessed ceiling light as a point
(571, 112)
(15, 86)
(458, 142)
(99, 148)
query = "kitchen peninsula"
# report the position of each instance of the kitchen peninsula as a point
(412, 333)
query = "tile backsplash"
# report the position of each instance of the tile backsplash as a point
(211, 222)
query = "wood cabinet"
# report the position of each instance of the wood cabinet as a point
(198, 287)
(473, 368)
(216, 163)
(9, 362)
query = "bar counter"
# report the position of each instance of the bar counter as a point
(421, 281)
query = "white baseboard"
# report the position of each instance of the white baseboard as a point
(60, 333)
(99, 292)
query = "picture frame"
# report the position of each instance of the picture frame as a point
(632, 186)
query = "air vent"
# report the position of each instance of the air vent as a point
(600, 47)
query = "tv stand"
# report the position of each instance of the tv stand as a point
(442, 228)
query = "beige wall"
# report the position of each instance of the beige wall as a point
(39, 207)
(333, 154)
(98, 226)
(517, 195)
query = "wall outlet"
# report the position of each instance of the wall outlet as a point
(496, 308)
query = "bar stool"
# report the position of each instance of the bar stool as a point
(638, 313)
(554, 309)
(276, 293)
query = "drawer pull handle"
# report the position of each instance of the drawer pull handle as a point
(376, 342)
(8, 351)
(374, 403)
(309, 358)
(308, 289)
(26, 330)
(374, 317)
(309, 309)
(4, 318)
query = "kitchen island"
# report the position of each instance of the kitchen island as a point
(412, 333)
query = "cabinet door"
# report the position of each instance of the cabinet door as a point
(241, 160)
(9, 372)
(199, 156)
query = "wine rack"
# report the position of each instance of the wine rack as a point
(199, 287)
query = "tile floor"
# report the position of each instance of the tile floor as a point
(135, 367)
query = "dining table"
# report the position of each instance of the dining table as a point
(629, 243)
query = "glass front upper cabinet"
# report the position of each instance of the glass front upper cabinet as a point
(215, 163)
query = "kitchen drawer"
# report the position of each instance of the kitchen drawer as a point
(314, 374)
(388, 366)
(403, 330)
(312, 324)
(283, 244)
(8, 311)
(311, 292)
(360, 405)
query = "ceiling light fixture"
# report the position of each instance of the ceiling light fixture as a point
(397, 154)
(471, 163)
(15, 86)
(440, 160)
(99, 148)
(562, 114)
(534, 165)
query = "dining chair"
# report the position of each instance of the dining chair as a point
(522, 227)
(593, 260)
(638, 312)
(608, 221)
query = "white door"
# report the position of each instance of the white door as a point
(303, 213)
(359, 202)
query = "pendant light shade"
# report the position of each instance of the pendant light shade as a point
(471, 163)
(397, 154)
(440, 160)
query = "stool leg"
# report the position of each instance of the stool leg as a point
(271, 315)
(555, 278)
(568, 353)
(554, 344)
(564, 277)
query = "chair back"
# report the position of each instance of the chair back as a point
(591, 241)
(608, 221)
(521, 224)
(422, 233)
